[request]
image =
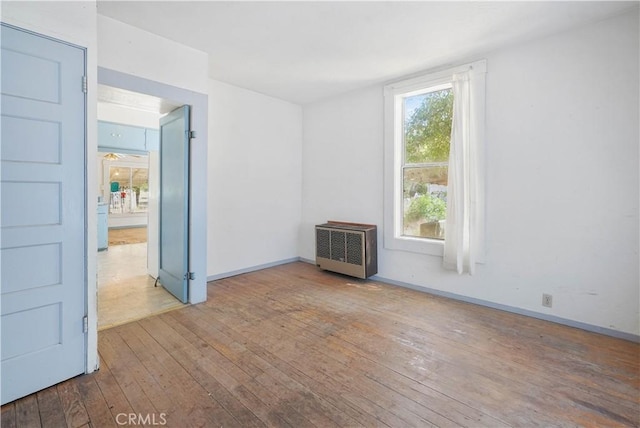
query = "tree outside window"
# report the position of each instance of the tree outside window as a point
(427, 119)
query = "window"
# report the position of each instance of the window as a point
(129, 189)
(125, 183)
(426, 134)
(419, 119)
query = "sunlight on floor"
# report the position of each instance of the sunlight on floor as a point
(125, 290)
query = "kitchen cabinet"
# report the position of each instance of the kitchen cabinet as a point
(153, 140)
(121, 138)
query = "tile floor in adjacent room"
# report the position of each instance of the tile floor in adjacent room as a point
(125, 291)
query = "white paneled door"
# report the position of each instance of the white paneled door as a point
(42, 240)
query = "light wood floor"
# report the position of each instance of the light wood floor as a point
(125, 291)
(128, 235)
(294, 346)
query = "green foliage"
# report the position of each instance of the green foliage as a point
(427, 207)
(417, 180)
(428, 130)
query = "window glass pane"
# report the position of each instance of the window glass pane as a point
(119, 183)
(424, 201)
(118, 177)
(129, 189)
(140, 186)
(427, 126)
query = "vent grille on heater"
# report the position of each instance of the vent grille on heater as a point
(354, 248)
(322, 243)
(337, 245)
(331, 245)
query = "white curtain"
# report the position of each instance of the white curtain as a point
(465, 192)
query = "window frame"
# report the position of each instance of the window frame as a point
(394, 93)
(404, 164)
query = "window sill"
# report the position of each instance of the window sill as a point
(433, 247)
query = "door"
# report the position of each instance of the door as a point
(42, 241)
(174, 202)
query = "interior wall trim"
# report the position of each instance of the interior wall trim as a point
(546, 317)
(251, 269)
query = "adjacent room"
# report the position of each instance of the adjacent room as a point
(320, 213)
(128, 213)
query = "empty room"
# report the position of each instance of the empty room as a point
(346, 214)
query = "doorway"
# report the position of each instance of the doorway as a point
(197, 183)
(128, 189)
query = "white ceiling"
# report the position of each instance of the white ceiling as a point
(305, 51)
(134, 100)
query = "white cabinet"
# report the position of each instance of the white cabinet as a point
(103, 227)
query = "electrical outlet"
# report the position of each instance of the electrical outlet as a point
(547, 300)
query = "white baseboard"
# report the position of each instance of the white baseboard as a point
(251, 269)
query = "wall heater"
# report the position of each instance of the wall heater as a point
(347, 248)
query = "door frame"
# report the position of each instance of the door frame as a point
(197, 185)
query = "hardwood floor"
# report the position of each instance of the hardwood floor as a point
(129, 235)
(294, 346)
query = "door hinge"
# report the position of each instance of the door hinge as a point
(190, 275)
(193, 134)
(85, 85)
(85, 324)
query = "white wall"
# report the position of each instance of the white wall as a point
(342, 163)
(254, 179)
(562, 178)
(73, 22)
(137, 52)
